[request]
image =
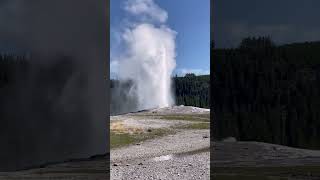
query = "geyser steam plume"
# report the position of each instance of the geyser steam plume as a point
(149, 56)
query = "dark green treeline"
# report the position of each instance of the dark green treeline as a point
(192, 90)
(263, 92)
(10, 66)
(189, 90)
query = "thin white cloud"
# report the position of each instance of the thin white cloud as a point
(147, 9)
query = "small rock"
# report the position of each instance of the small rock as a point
(127, 164)
(140, 164)
(204, 137)
(149, 130)
(115, 164)
(138, 144)
(189, 164)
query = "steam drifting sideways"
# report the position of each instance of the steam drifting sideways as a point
(148, 56)
(53, 108)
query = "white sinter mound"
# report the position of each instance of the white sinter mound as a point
(180, 110)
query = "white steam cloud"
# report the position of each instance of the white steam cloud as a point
(149, 56)
(146, 9)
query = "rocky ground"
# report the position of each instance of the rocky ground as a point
(181, 151)
(260, 154)
(184, 153)
(256, 160)
(89, 169)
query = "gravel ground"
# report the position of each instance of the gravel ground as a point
(188, 140)
(257, 154)
(257, 160)
(151, 118)
(184, 155)
(146, 122)
(90, 169)
(186, 167)
(178, 110)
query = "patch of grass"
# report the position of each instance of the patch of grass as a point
(203, 125)
(123, 139)
(118, 140)
(266, 173)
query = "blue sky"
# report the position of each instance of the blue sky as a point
(190, 19)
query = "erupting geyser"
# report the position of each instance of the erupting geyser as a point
(150, 62)
(149, 56)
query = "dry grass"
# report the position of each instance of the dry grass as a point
(119, 128)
